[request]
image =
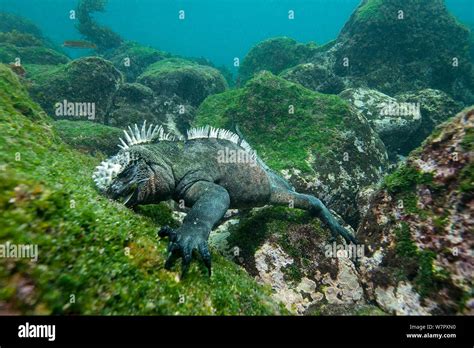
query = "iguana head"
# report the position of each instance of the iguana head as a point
(135, 175)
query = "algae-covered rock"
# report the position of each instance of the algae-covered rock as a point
(89, 248)
(274, 55)
(435, 107)
(135, 103)
(315, 77)
(89, 137)
(316, 141)
(10, 22)
(418, 229)
(76, 89)
(30, 55)
(132, 59)
(404, 121)
(190, 81)
(290, 251)
(394, 123)
(403, 45)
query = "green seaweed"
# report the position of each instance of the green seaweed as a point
(262, 111)
(91, 249)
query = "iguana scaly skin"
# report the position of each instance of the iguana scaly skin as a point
(211, 171)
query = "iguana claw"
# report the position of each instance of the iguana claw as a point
(181, 245)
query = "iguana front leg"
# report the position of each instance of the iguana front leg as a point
(209, 203)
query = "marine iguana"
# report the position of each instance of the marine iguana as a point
(154, 166)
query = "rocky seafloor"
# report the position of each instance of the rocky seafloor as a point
(381, 133)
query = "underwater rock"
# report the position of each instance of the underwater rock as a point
(436, 107)
(289, 251)
(418, 229)
(10, 22)
(89, 137)
(31, 55)
(274, 55)
(315, 77)
(402, 45)
(190, 81)
(135, 103)
(132, 59)
(394, 123)
(319, 143)
(405, 121)
(85, 87)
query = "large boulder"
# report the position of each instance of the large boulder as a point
(135, 103)
(402, 45)
(22, 39)
(89, 137)
(132, 59)
(315, 77)
(289, 251)
(435, 107)
(404, 121)
(395, 127)
(418, 228)
(30, 55)
(274, 55)
(89, 81)
(188, 80)
(316, 141)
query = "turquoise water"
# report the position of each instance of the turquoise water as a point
(216, 29)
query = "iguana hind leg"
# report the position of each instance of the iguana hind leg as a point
(209, 203)
(284, 196)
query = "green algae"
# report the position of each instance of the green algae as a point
(91, 249)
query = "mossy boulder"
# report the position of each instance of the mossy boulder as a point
(135, 103)
(289, 250)
(30, 55)
(10, 22)
(188, 80)
(393, 122)
(402, 45)
(91, 249)
(89, 137)
(317, 141)
(315, 77)
(418, 229)
(274, 55)
(435, 106)
(91, 80)
(132, 59)
(404, 121)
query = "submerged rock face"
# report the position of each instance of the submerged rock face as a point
(274, 55)
(316, 141)
(289, 251)
(418, 228)
(435, 107)
(135, 103)
(132, 59)
(394, 128)
(188, 80)
(315, 77)
(402, 45)
(405, 121)
(90, 80)
(21, 42)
